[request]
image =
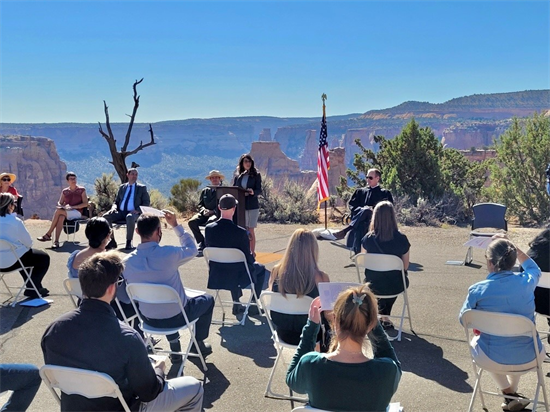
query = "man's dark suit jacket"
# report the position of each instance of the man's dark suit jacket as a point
(141, 197)
(225, 234)
(368, 197)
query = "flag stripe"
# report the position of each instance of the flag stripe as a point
(323, 162)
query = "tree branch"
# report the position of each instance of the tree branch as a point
(141, 145)
(108, 122)
(132, 117)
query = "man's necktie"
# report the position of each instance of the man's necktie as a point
(125, 208)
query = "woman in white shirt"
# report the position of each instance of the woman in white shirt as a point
(14, 231)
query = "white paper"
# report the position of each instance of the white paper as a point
(329, 291)
(151, 211)
(394, 407)
(480, 242)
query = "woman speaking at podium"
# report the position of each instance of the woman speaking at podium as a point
(248, 178)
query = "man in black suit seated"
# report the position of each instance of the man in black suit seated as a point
(362, 204)
(232, 276)
(129, 198)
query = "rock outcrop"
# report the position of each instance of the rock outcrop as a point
(39, 170)
(273, 163)
(265, 135)
(308, 159)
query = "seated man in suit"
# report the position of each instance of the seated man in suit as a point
(208, 208)
(91, 337)
(362, 204)
(232, 276)
(129, 198)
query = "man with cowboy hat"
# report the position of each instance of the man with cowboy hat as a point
(208, 208)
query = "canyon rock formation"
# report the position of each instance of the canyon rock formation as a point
(39, 170)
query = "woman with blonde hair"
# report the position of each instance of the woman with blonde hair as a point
(297, 273)
(385, 238)
(345, 379)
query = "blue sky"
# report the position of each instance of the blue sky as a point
(60, 60)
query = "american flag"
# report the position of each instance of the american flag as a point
(323, 163)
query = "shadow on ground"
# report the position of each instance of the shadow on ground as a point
(426, 360)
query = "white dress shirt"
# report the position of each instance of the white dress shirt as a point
(14, 231)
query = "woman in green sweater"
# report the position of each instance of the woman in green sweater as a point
(345, 379)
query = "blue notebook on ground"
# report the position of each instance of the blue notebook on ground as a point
(34, 303)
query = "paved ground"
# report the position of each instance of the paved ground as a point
(437, 372)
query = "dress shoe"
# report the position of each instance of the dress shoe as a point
(176, 358)
(237, 309)
(340, 234)
(129, 245)
(253, 310)
(32, 294)
(205, 348)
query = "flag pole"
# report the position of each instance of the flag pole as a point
(324, 97)
(323, 164)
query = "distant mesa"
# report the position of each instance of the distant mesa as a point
(190, 148)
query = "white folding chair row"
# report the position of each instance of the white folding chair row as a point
(289, 305)
(503, 325)
(27, 270)
(230, 255)
(73, 381)
(73, 289)
(385, 263)
(155, 294)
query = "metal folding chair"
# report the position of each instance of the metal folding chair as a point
(504, 325)
(73, 289)
(73, 381)
(290, 305)
(486, 215)
(5, 245)
(230, 255)
(154, 294)
(386, 263)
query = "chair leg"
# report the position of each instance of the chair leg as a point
(28, 272)
(469, 256)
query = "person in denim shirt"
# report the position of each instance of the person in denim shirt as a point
(506, 292)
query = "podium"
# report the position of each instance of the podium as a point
(239, 194)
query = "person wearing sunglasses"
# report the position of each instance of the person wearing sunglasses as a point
(6, 186)
(361, 205)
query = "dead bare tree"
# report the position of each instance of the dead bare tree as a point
(119, 156)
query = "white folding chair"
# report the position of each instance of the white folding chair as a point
(230, 255)
(503, 325)
(308, 408)
(5, 246)
(290, 305)
(385, 263)
(73, 381)
(154, 294)
(544, 282)
(73, 289)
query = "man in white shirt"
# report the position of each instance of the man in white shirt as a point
(129, 198)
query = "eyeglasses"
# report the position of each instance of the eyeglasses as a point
(72, 178)
(6, 179)
(247, 161)
(370, 177)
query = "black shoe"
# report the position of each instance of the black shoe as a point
(32, 294)
(237, 309)
(515, 404)
(176, 358)
(199, 253)
(253, 311)
(111, 245)
(129, 245)
(201, 246)
(340, 234)
(205, 348)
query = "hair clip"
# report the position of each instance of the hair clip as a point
(358, 300)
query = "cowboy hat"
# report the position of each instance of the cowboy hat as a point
(10, 175)
(215, 173)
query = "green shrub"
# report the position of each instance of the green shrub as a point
(158, 200)
(290, 205)
(105, 192)
(185, 196)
